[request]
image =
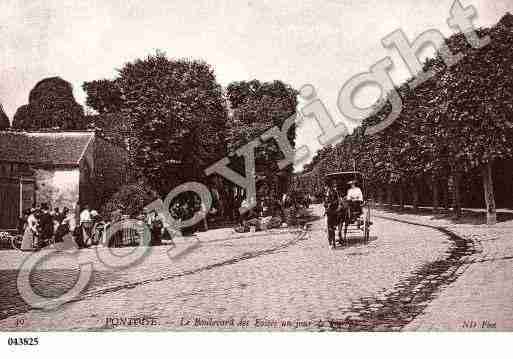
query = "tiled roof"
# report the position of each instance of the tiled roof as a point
(50, 148)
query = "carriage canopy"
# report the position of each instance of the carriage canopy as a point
(342, 178)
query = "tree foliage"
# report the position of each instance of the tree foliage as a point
(130, 199)
(51, 105)
(175, 112)
(104, 96)
(4, 120)
(256, 107)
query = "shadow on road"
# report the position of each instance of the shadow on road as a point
(468, 216)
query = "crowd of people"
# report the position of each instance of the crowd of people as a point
(269, 212)
(41, 226)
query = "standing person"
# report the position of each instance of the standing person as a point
(284, 200)
(260, 207)
(331, 204)
(46, 224)
(217, 207)
(187, 213)
(244, 216)
(156, 226)
(29, 242)
(57, 218)
(86, 225)
(95, 226)
(204, 212)
(22, 222)
(308, 200)
(236, 209)
(63, 226)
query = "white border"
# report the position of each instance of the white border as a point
(260, 345)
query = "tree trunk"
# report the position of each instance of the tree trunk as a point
(401, 196)
(456, 204)
(491, 213)
(383, 195)
(389, 194)
(446, 196)
(415, 196)
(436, 194)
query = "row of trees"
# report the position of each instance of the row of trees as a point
(172, 117)
(452, 126)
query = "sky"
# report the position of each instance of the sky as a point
(321, 42)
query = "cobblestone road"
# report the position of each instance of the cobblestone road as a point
(261, 281)
(482, 296)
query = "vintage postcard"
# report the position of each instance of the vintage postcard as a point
(256, 166)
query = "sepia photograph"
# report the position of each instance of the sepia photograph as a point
(255, 166)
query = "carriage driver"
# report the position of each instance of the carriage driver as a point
(355, 198)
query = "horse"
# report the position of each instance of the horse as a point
(344, 218)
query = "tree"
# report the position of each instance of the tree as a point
(177, 110)
(478, 95)
(256, 107)
(4, 120)
(104, 96)
(51, 105)
(321, 154)
(117, 128)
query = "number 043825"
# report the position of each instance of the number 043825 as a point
(23, 341)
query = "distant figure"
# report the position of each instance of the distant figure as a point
(63, 225)
(94, 215)
(204, 213)
(284, 199)
(46, 223)
(260, 208)
(156, 226)
(86, 225)
(55, 213)
(29, 242)
(22, 222)
(287, 200)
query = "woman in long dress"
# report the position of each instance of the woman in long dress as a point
(63, 226)
(30, 235)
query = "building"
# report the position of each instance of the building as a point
(62, 168)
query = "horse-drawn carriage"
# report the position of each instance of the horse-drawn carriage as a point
(353, 216)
